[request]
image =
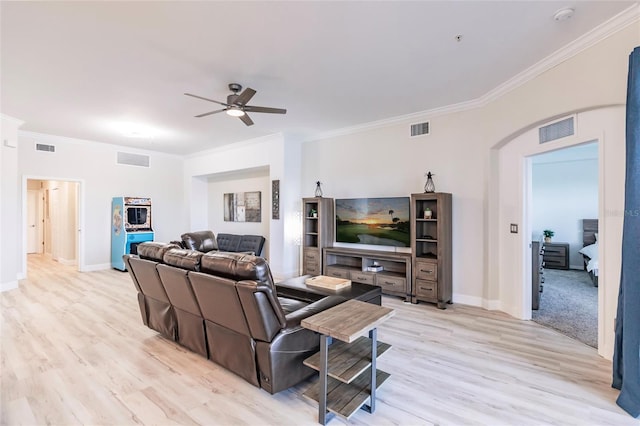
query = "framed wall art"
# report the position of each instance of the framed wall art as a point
(275, 199)
(242, 207)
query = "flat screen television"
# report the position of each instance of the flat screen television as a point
(376, 221)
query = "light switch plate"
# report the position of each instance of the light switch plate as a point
(514, 228)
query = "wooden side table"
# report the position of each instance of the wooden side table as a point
(556, 255)
(348, 374)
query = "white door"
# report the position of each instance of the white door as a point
(33, 230)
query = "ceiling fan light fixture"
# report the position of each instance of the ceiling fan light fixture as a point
(235, 112)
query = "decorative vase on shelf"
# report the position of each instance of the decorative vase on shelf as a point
(428, 214)
(429, 186)
(318, 189)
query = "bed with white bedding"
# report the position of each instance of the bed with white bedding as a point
(589, 250)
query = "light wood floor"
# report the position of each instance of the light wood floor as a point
(74, 351)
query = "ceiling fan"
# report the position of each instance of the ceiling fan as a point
(236, 105)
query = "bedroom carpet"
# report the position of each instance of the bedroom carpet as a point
(569, 304)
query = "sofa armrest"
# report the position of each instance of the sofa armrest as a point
(294, 318)
(178, 243)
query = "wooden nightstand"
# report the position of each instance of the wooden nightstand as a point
(556, 255)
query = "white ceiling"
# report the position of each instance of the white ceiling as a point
(81, 69)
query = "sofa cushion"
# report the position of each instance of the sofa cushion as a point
(204, 241)
(152, 250)
(183, 258)
(237, 266)
(229, 242)
(251, 243)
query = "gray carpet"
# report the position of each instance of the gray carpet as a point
(569, 304)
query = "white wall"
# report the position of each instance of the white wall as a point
(564, 193)
(249, 181)
(9, 202)
(93, 166)
(282, 158)
(464, 150)
(386, 161)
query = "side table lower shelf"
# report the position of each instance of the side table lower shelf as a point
(344, 399)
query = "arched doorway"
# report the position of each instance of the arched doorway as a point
(510, 255)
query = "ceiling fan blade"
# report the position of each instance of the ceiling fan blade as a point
(206, 99)
(209, 113)
(245, 96)
(246, 120)
(251, 108)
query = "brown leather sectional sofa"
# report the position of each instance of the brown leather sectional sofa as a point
(224, 306)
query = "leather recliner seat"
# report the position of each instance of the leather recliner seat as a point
(225, 306)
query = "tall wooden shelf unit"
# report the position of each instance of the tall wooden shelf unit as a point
(431, 248)
(317, 231)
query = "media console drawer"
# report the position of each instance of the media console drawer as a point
(363, 277)
(311, 261)
(426, 270)
(427, 289)
(338, 272)
(391, 284)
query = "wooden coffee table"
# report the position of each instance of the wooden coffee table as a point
(348, 374)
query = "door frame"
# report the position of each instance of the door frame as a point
(80, 240)
(509, 255)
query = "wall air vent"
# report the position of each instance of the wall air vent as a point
(557, 130)
(46, 148)
(129, 159)
(420, 129)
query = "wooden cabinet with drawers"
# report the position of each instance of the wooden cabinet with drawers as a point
(431, 248)
(390, 271)
(556, 255)
(317, 232)
(537, 273)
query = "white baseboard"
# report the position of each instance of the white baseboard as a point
(488, 304)
(9, 285)
(67, 262)
(468, 300)
(492, 305)
(96, 267)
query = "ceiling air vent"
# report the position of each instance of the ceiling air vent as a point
(557, 130)
(420, 129)
(129, 159)
(46, 148)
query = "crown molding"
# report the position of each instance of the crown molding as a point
(273, 137)
(587, 40)
(582, 43)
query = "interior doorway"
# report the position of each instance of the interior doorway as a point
(52, 220)
(564, 192)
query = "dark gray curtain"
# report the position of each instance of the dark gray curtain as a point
(626, 357)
